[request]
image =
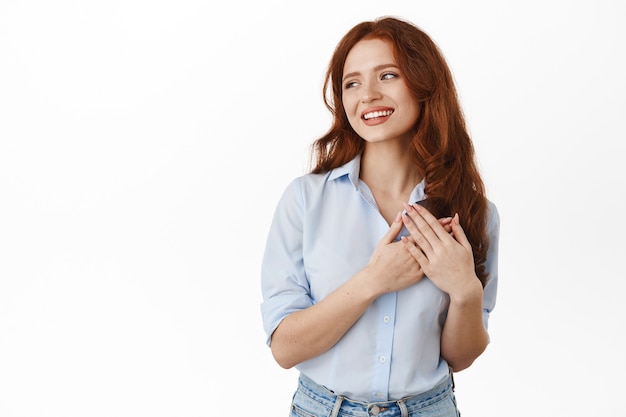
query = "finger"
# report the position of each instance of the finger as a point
(415, 251)
(415, 232)
(431, 221)
(426, 229)
(394, 229)
(411, 240)
(459, 233)
(446, 222)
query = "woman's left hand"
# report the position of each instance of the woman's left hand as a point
(446, 258)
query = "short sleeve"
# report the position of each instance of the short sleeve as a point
(284, 285)
(491, 263)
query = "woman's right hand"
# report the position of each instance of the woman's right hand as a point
(391, 266)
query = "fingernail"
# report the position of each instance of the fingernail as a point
(456, 218)
(398, 217)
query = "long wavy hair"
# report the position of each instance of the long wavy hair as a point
(441, 149)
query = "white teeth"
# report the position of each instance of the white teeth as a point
(373, 114)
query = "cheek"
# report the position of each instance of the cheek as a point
(347, 104)
(353, 120)
(411, 108)
(350, 111)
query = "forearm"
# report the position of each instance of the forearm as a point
(464, 336)
(308, 333)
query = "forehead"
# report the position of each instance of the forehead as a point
(368, 53)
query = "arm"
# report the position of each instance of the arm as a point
(464, 336)
(448, 262)
(312, 331)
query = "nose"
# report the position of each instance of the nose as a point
(370, 92)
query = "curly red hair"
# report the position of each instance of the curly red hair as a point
(441, 149)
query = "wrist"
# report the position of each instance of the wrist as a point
(367, 282)
(468, 293)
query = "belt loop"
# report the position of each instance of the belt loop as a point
(337, 406)
(404, 412)
(451, 376)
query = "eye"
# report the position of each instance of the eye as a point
(350, 84)
(388, 75)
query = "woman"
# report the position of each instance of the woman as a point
(376, 300)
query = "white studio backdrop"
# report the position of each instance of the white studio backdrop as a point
(144, 145)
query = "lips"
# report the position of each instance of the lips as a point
(377, 115)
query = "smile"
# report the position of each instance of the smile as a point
(375, 114)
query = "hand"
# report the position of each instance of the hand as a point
(446, 222)
(445, 257)
(393, 267)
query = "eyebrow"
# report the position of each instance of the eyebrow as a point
(376, 68)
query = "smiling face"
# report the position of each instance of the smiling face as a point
(376, 99)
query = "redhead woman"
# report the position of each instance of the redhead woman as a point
(380, 270)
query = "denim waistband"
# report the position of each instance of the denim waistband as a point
(401, 407)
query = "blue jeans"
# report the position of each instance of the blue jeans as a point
(313, 400)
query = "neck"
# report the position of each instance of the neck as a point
(389, 168)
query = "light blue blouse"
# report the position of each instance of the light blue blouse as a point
(324, 230)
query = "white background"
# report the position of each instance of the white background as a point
(144, 145)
